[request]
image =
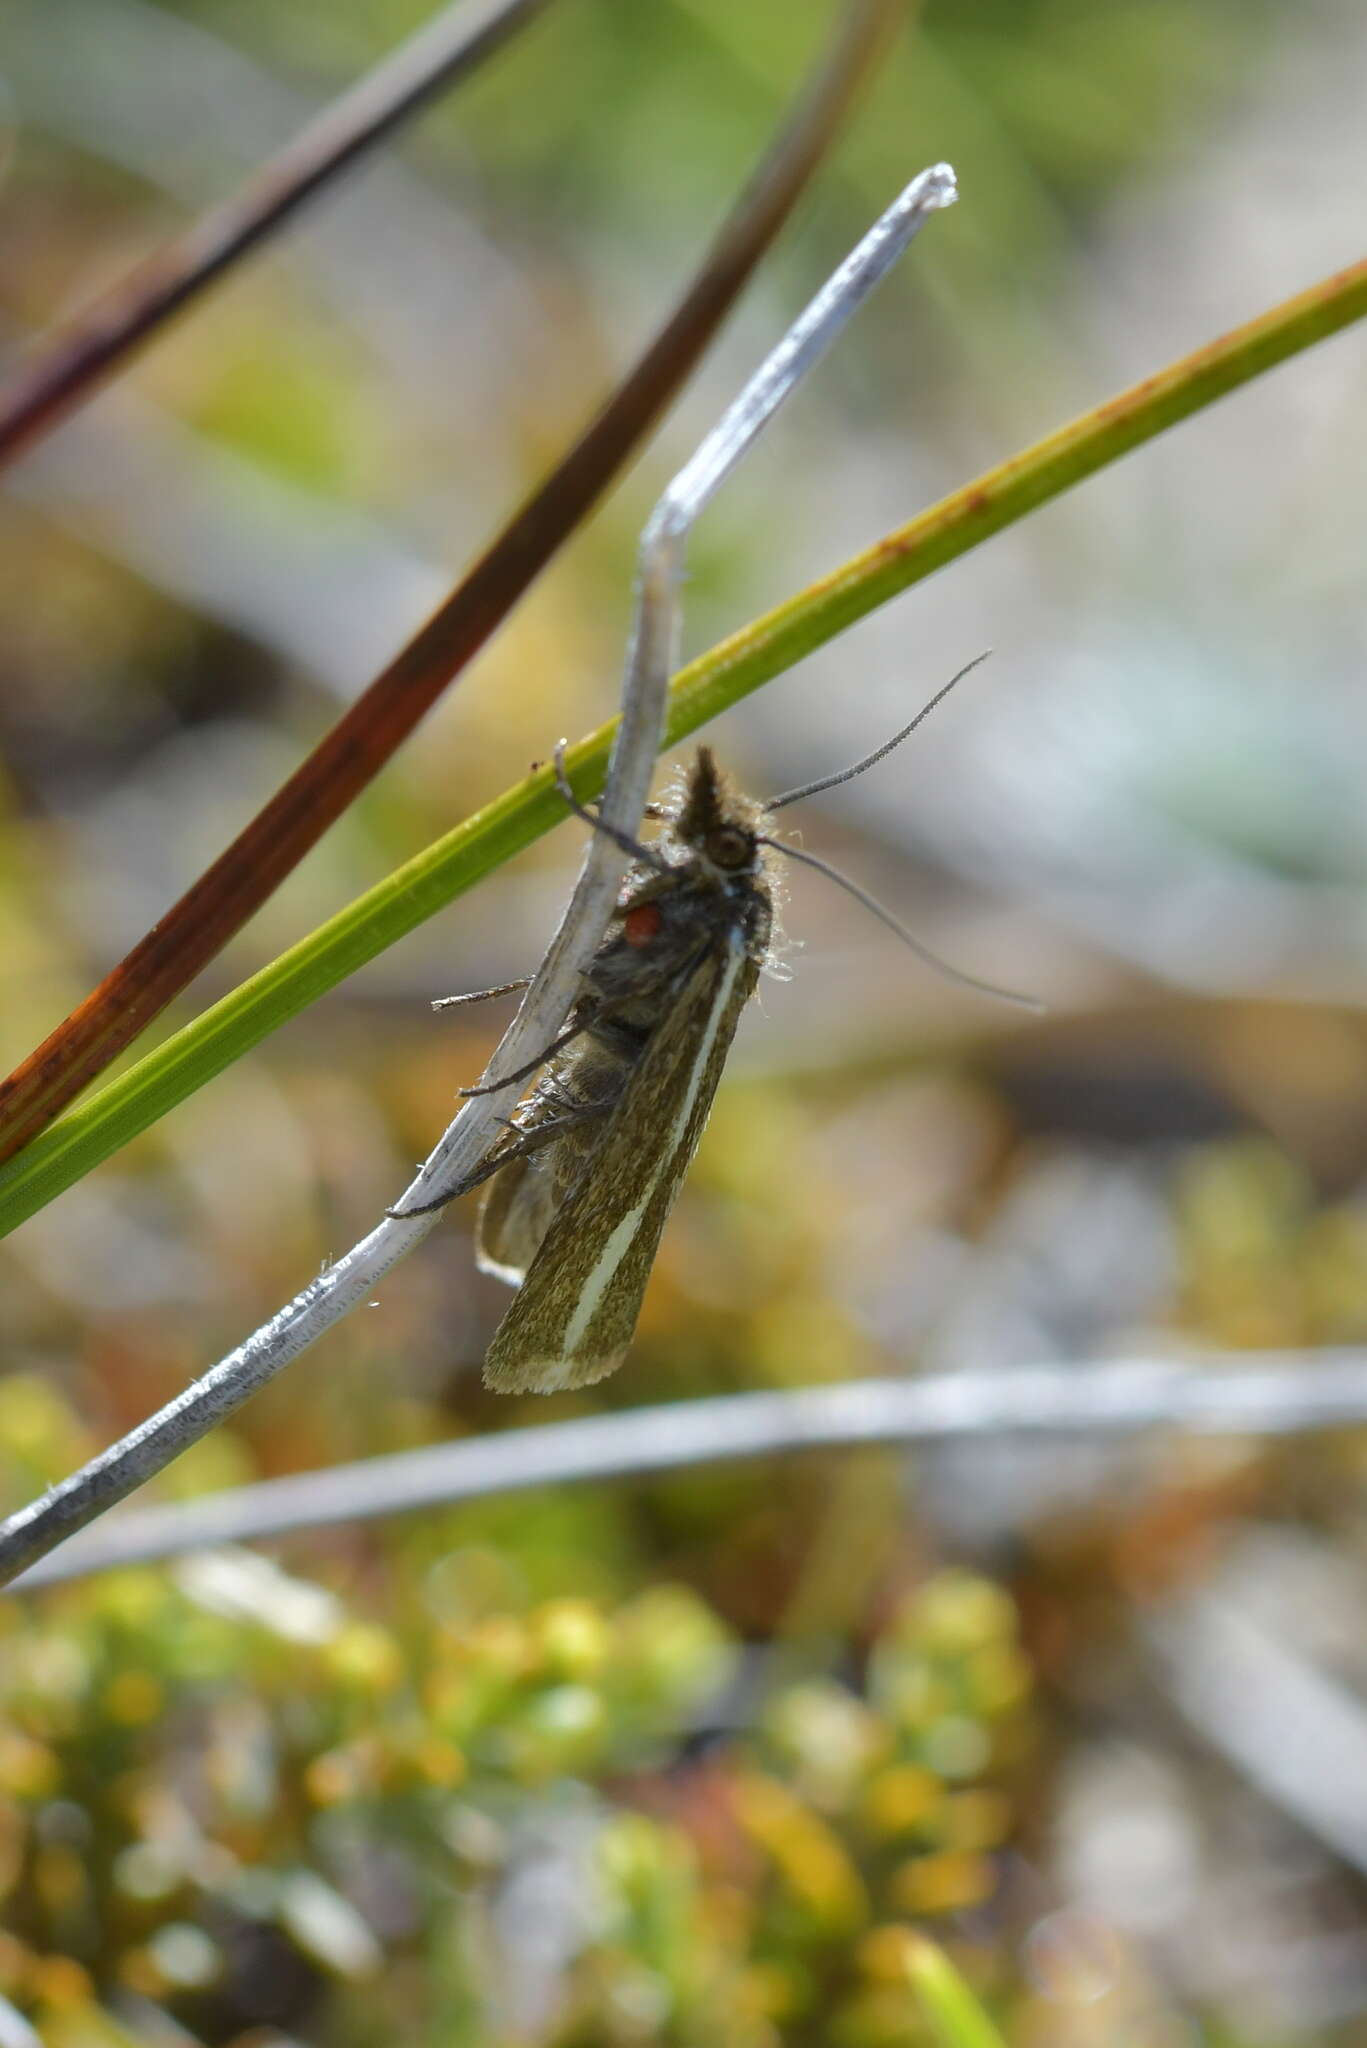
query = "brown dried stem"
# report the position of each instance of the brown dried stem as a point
(71, 367)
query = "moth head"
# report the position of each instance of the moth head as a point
(715, 822)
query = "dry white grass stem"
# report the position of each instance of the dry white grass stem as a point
(1259, 1394)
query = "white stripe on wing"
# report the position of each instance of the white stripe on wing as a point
(622, 1236)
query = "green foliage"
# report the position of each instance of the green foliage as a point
(236, 1796)
(954, 2014)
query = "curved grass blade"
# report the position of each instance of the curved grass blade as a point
(954, 2015)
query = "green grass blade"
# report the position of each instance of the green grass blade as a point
(97, 1127)
(955, 2016)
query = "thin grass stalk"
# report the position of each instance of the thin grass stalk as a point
(1230, 1393)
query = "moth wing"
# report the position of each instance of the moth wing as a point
(521, 1199)
(514, 1215)
(573, 1317)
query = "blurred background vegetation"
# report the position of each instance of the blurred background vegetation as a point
(692, 1760)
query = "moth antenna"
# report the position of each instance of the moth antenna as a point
(922, 951)
(792, 796)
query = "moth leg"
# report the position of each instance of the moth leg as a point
(565, 1105)
(522, 1148)
(571, 1032)
(483, 995)
(645, 854)
(603, 1014)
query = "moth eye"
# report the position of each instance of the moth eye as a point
(640, 925)
(729, 848)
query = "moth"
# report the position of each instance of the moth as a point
(592, 1160)
(581, 1182)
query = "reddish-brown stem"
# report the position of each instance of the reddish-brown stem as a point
(70, 367)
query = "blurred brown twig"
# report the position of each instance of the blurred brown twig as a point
(71, 367)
